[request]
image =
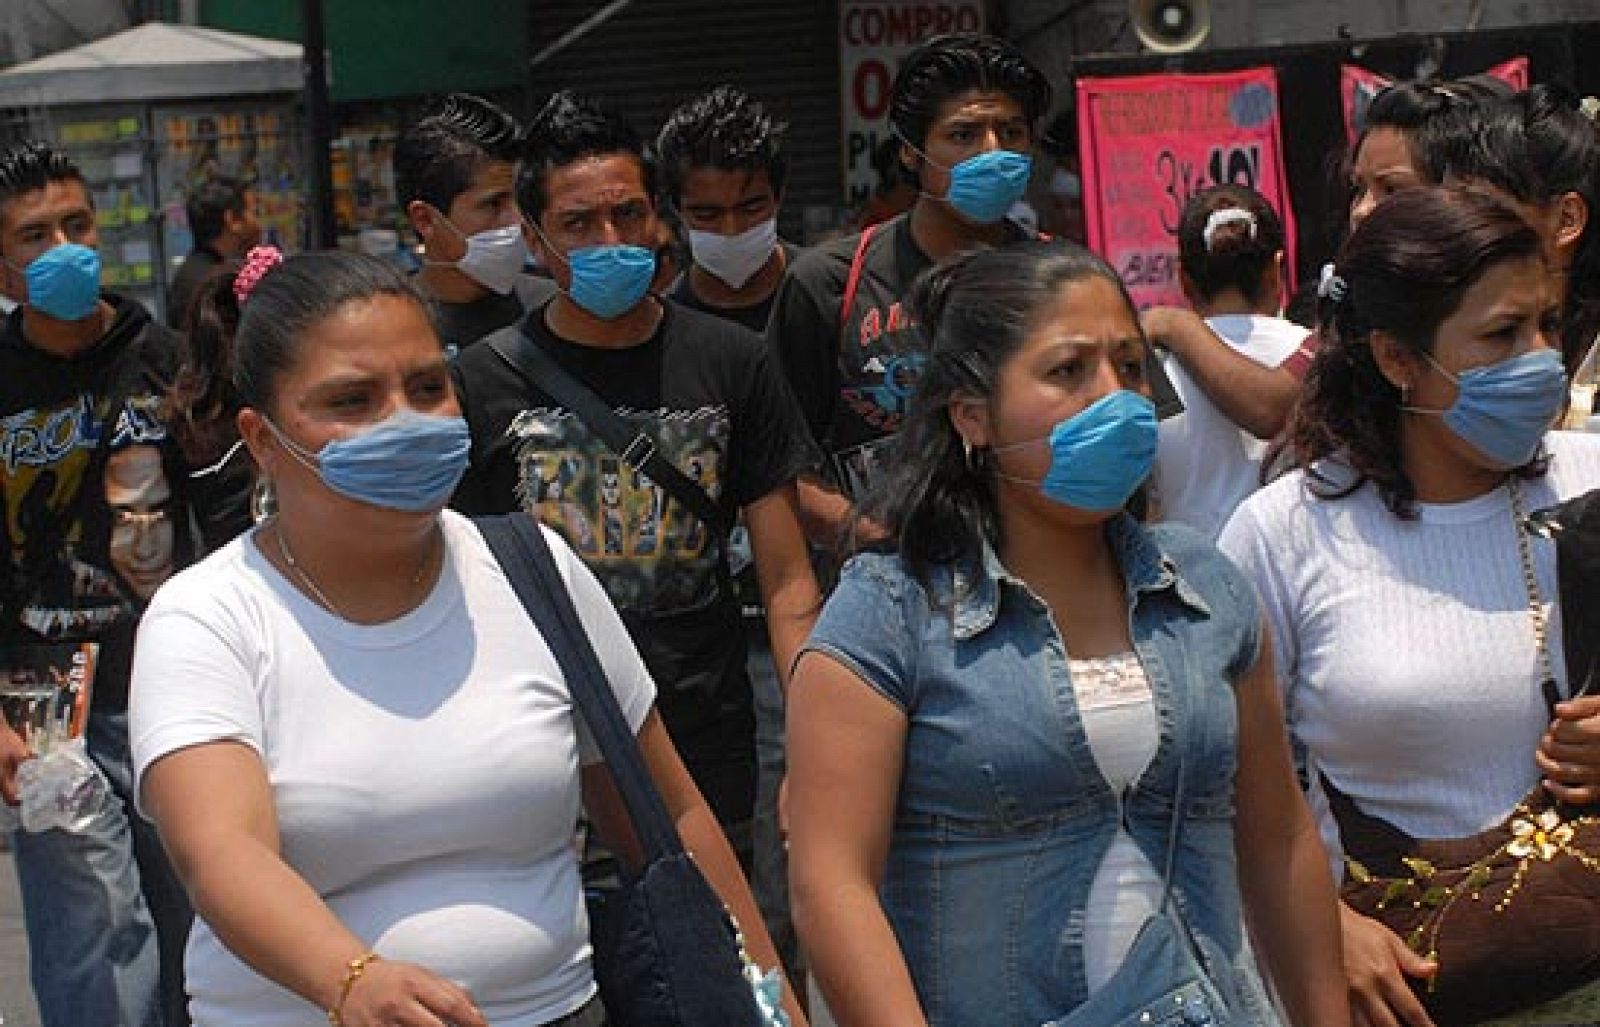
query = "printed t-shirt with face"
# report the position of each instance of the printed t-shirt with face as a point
(93, 523)
(854, 371)
(708, 397)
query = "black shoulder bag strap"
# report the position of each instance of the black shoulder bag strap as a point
(636, 449)
(518, 544)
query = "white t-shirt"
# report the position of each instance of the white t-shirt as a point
(424, 771)
(1206, 464)
(1118, 710)
(1405, 648)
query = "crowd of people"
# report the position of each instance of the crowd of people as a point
(1002, 653)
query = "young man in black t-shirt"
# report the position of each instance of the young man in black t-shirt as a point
(838, 330)
(453, 171)
(722, 165)
(95, 518)
(705, 394)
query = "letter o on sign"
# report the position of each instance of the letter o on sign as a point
(870, 90)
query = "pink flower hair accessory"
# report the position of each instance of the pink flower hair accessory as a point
(257, 263)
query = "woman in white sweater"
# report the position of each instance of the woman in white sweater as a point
(1389, 559)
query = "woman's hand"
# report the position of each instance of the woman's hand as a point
(390, 994)
(1569, 752)
(1376, 965)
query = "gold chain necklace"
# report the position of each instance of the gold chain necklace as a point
(321, 596)
(1530, 577)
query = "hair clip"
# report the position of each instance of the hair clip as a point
(1227, 216)
(1332, 287)
(257, 263)
(1589, 107)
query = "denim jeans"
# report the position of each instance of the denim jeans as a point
(106, 918)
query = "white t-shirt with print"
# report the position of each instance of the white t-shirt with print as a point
(424, 771)
(1205, 463)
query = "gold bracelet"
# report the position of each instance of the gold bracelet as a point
(352, 973)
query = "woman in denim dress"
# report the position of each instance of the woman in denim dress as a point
(1004, 701)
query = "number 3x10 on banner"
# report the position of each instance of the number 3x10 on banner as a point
(1150, 142)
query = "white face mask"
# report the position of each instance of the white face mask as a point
(735, 259)
(494, 257)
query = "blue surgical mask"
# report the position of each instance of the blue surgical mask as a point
(983, 187)
(1503, 410)
(609, 281)
(1099, 456)
(408, 461)
(64, 281)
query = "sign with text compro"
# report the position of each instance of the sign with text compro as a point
(1150, 142)
(873, 37)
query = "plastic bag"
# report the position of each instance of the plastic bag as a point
(61, 790)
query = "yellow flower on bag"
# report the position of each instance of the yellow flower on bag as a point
(1544, 836)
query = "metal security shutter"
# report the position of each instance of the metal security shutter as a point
(654, 54)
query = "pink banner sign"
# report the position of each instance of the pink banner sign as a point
(1358, 87)
(1150, 142)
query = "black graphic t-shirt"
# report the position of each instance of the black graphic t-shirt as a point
(753, 317)
(68, 463)
(854, 371)
(708, 397)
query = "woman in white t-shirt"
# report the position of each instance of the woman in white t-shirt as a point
(1401, 598)
(360, 751)
(1230, 248)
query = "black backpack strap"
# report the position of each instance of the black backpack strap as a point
(637, 450)
(518, 544)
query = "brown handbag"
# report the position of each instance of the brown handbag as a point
(1511, 914)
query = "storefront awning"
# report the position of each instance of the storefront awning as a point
(155, 61)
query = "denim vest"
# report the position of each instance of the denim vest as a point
(1003, 816)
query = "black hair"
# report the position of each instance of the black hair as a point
(1237, 252)
(30, 166)
(294, 297)
(947, 66)
(722, 129)
(208, 204)
(1436, 118)
(1404, 271)
(202, 402)
(975, 310)
(1535, 147)
(437, 155)
(568, 128)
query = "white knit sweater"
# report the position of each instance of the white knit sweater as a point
(1405, 648)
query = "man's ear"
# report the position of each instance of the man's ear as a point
(969, 415)
(1396, 362)
(424, 220)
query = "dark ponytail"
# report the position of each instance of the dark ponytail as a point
(202, 402)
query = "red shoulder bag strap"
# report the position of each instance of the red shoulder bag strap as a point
(854, 280)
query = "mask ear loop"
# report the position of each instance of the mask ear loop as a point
(533, 226)
(923, 154)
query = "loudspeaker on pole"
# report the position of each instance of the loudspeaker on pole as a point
(1170, 26)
